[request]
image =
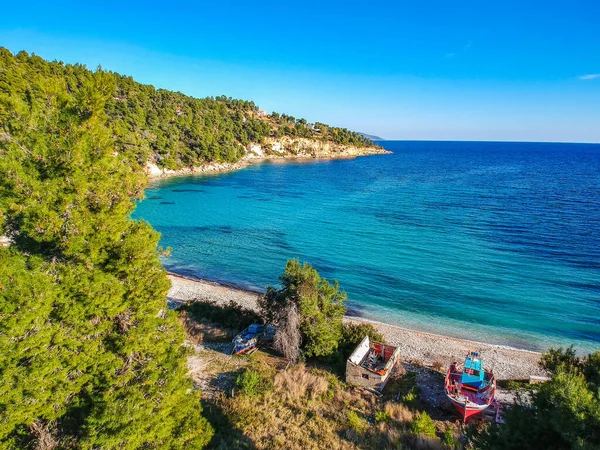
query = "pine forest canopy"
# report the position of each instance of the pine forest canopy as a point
(90, 357)
(168, 127)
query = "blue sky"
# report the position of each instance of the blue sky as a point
(456, 70)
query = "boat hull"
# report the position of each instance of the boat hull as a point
(243, 348)
(467, 411)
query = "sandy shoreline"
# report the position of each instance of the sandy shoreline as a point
(426, 348)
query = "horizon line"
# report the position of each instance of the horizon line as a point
(486, 140)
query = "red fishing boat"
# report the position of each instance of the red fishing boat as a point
(470, 388)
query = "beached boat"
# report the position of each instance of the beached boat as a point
(249, 338)
(470, 388)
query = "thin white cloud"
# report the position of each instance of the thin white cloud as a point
(457, 53)
(589, 76)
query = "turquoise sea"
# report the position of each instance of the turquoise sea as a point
(496, 242)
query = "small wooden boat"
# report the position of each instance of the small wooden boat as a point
(470, 388)
(249, 338)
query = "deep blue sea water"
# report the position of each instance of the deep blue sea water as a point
(496, 242)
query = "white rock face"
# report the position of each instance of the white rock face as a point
(281, 148)
(254, 151)
(288, 147)
(153, 170)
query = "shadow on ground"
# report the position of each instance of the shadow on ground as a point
(226, 435)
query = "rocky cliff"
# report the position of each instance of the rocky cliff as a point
(273, 148)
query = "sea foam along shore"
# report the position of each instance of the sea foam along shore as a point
(427, 348)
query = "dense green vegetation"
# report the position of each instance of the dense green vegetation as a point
(89, 355)
(563, 414)
(320, 305)
(170, 128)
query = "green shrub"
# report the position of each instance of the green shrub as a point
(230, 315)
(519, 385)
(328, 395)
(556, 358)
(382, 416)
(249, 383)
(448, 438)
(254, 382)
(354, 333)
(357, 423)
(410, 397)
(321, 305)
(423, 424)
(333, 383)
(591, 371)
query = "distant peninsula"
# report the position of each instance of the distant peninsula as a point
(371, 137)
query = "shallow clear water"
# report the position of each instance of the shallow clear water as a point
(496, 242)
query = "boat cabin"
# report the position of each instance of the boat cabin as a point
(473, 374)
(371, 364)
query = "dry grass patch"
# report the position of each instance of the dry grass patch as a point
(298, 382)
(425, 443)
(272, 423)
(307, 409)
(399, 412)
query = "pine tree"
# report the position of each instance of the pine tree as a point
(89, 355)
(320, 305)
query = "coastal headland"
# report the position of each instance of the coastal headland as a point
(272, 149)
(415, 346)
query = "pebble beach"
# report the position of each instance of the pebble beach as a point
(415, 346)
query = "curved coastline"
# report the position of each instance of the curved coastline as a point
(415, 346)
(425, 339)
(154, 172)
